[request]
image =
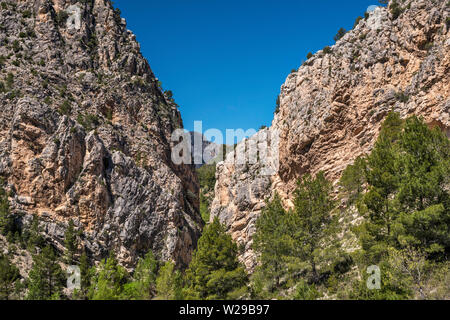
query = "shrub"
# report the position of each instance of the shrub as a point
(9, 81)
(16, 46)
(402, 97)
(47, 100)
(117, 17)
(88, 121)
(357, 21)
(395, 9)
(277, 109)
(65, 108)
(26, 14)
(341, 32)
(61, 18)
(309, 55)
(327, 50)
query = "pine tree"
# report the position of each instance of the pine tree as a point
(313, 224)
(33, 236)
(6, 219)
(353, 179)
(85, 278)
(46, 277)
(143, 284)
(407, 223)
(383, 180)
(422, 196)
(407, 201)
(109, 281)
(272, 243)
(169, 283)
(70, 242)
(9, 274)
(215, 271)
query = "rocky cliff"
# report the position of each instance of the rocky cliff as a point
(331, 108)
(85, 133)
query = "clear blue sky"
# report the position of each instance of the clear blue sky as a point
(225, 61)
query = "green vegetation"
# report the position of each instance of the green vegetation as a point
(6, 219)
(405, 206)
(16, 46)
(298, 242)
(88, 121)
(207, 179)
(396, 9)
(169, 283)
(9, 274)
(143, 282)
(9, 81)
(400, 190)
(341, 32)
(27, 14)
(399, 194)
(215, 272)
(327, 50)
(46, 278)
(277, 108)
(357, 21)
(109, 280)
(402, 97)
(205, 202)
(70, 243)
(66, 108)
(207, 176)
(61, 18)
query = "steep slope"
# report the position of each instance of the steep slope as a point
(85, 133)
(332, 107)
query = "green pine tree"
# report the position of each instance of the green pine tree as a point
(142, 287)
(86, 273)
(272, 242)
(70, 242)
(109, 280)
(313, 225)
(353, 179)
(9, 274)
(6, 219)
(215, 272)
(169, 283)
(46, 277)
(406, 208)
(33, 236)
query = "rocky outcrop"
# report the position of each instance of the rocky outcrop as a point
(331, 108)
(85, 133)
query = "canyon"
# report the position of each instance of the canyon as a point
(86, 127)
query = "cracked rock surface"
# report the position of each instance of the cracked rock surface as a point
(85, 133)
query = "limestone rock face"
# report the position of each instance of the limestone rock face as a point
(332, 107)
(85, 133)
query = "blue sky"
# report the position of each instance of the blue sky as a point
(225, 61)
